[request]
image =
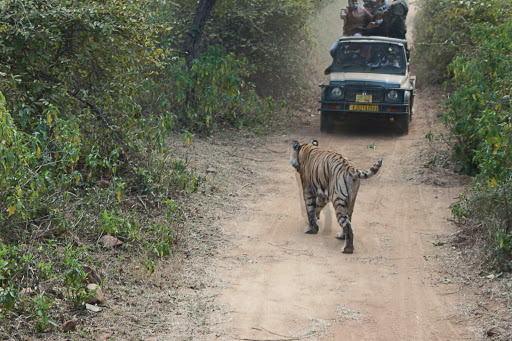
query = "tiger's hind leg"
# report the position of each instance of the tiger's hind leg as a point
(311, 207)
(322, 198)
(341, 235)
(344, 221)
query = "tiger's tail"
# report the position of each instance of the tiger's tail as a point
(369, 173)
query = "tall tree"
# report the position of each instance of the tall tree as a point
(195, 33)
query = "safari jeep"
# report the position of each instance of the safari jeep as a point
(369, 78)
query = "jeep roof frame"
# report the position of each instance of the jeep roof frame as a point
(370, 39)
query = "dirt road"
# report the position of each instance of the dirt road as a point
(282, 284)
(248, 272)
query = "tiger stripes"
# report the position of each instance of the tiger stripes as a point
(328, 176)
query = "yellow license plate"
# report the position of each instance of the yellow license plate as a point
(363, 98)
(363, 107)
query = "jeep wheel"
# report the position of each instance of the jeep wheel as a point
(326, 121)
(402, 124)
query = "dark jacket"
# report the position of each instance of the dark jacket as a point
(396, 16)
(377, 30)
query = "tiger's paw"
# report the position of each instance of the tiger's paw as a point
(341, 235)
(348, 250)
(311, 230)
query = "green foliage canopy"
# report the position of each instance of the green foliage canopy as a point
(74, 53)
(273, 36)
(480, 107)
(469, 44)
(90, 91)
(442, 31)
(70, 72)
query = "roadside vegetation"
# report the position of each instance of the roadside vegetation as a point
(93, 96)
(467, 45)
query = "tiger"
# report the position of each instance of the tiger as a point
(328, 176)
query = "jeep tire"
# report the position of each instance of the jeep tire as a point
(402, 124)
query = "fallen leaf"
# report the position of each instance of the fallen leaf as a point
(69, 325)
(93, 308)
(110, 241)
(495, 331)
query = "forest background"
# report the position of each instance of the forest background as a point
(93, 94)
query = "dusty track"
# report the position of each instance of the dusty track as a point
(270, 281)
(282, 284)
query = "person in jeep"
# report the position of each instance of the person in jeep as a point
(381, 5)
(354, 17)
(395, 16)
(377, 27)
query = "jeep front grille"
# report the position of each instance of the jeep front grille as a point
(377, 94)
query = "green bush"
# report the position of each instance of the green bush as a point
(479, 117)
(9, 267)
(442, 31)
(468, 44)
(273, 36)
(38, 169)
(489, 210)
(213, 95)
(111, 223)
(94, 91)
(19, 268)
(480, 106)
(42, 305)
(75, 276)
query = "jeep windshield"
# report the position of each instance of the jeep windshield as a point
(372, 57)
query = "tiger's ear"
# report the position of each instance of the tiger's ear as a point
(315, 143)
(295, 144)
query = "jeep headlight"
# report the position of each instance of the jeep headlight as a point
(392, 95)
(336, 92)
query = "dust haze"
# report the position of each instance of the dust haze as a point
(328, 27)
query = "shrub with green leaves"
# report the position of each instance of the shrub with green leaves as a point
(94, 91)
(442, 31)
(479, 117)
(75, 276)
(42, 305)
(72, 73)
(38, 169)
(480, 107)
(19, 270)
(468, 44)
(273, 36)
(9, 268)
(87, 58)
(213, 94)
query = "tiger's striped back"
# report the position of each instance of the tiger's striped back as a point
(321, 166)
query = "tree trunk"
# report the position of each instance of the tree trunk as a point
(196, 31)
